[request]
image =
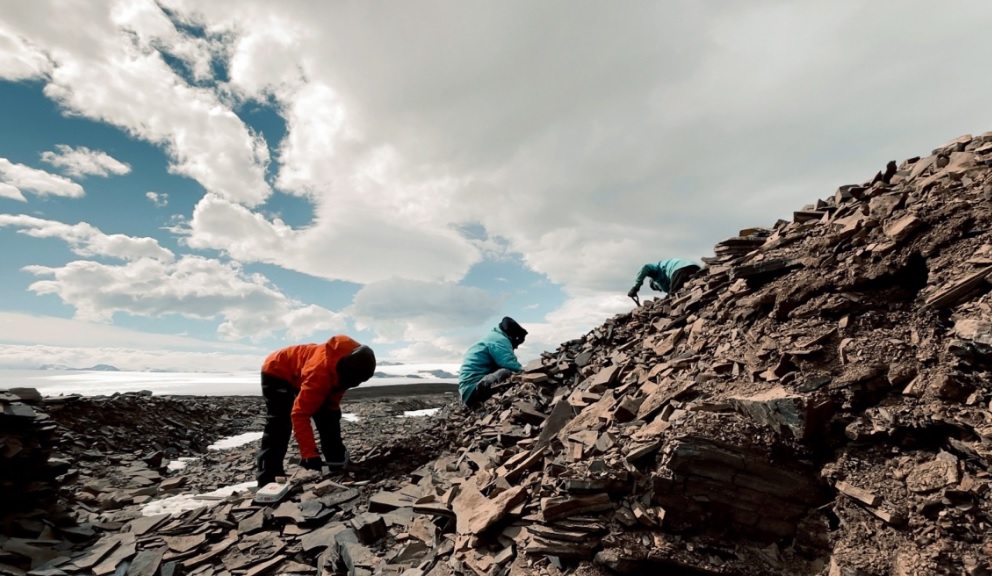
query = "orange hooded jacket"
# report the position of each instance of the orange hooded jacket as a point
(312, 369)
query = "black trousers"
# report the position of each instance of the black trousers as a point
(486, 387)
(279, 397)
(681, 276)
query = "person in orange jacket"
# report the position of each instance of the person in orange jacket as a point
(305, 382)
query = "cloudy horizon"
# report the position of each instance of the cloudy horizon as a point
(186, 183)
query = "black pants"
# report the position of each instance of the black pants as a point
(486, 387)
(681, 276)
(279, 397)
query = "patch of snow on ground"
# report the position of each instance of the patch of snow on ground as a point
(180, 463)
(424, 412)
(350, 417)
(184, 502)
(235, 441)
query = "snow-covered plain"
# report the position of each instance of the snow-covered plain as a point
(96, 383)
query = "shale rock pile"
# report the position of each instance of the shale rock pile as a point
(93, 426)
(64, 459)
(132, 513)
(28, 487)
(817, 403)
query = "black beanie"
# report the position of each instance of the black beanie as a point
(356, 367)
(515, 332)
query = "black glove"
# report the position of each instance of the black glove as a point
(632, 293)
(315, 463)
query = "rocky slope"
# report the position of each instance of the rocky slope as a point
(816, 403)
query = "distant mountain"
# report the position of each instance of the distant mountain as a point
(54, 367)
(97, 368)
(440, 373)
(422, 375)
(100, 368)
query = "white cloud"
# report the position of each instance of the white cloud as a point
(106, 65)
(578, 315)
(153, 30)
(574, 318)
(583, 141)
(129, 358)
(11, 192)
(265, 59)
(192, 287)
(159, 199)
(81, 161)
(315, 128)
(406, 309)
(304, 321)
(18, 59)
(357, 243)
(20, 177)
(140, 93)
(625, 136)
(29, 341)
(87, 240)
(436, 349)
(53, 331)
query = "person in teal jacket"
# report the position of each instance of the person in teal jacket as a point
(666, 276)
(489, 362)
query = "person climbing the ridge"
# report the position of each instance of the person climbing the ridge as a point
(305, 382)
(666, 276)
(489, 362)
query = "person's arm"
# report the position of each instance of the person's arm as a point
(312, 395)
(641, 275)
(502, 353)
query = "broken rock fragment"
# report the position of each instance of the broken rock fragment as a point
(934, 475)
(783, 411)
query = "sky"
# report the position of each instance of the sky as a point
(189, 185)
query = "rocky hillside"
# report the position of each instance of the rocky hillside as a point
(816, 403)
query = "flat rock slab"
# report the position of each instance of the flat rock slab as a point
(778, 409)
(388, 501)
(322, 538)
(184, 543)
(475, 513)
(565, 506)
(146, 563)
(289, 511)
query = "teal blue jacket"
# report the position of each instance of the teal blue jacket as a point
(486, 356)
(661, 272)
